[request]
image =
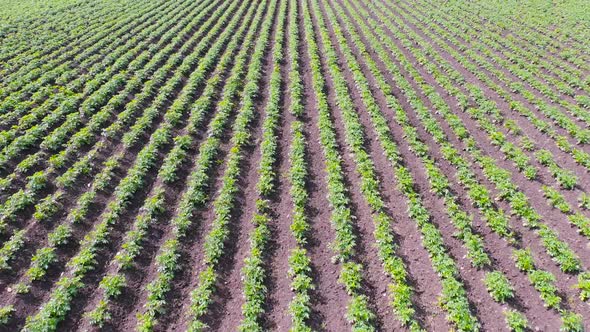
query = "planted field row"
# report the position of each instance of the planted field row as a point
(297, 165)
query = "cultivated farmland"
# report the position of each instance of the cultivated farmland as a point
(295, 165)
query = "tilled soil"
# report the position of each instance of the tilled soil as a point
(329, 301)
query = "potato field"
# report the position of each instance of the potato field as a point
(295, 165)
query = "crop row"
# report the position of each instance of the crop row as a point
(160, 137)
(558, 249)
(197, 182)
(84, 165)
